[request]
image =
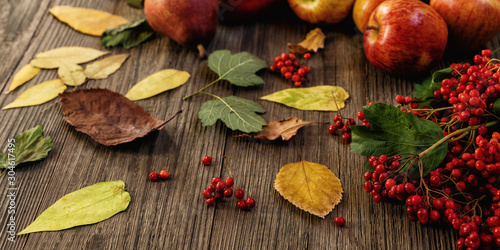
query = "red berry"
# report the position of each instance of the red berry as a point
(307, 69)
(239, 194)
(284, 56)
(288, 75)
(207, 160)
(297, 84)
(400, 99)
(347, 137)
(250, 202)
(296, 78)
(301, 72)
(215, 180)
(154, 176)
(340, 221)
(332, 129)
(210, 201)
(220, 186)
(241, 204)
(408, 99)
(229, 181)
(164, 174)
(207, 194)
(228, 192)
(211, 188)
(307, 56)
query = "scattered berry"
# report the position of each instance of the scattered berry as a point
(340, 221)
(239, 194)
(154, 176)
(207, 160)
(250, 202)
(241, 204)
(164, 174)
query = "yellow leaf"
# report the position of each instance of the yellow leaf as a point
(157, 83)
(71, 74)
(318, 98)
(310, 186)
(88, 21)
(38, 94)
(315, 40)
(25, 74)
(53, 58)
(105, 67)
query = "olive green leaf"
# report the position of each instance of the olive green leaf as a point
(86, 206)
(426, 89)
(318, 98)
(237, 113)
(239, 69)
(128, 35)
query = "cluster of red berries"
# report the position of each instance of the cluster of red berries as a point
(155, 176)
(338, 122)
(218, 190)
(290, 68)
(463, 191)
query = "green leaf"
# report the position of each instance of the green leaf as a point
(30, 146)
(239, 69)
(136, 3)
(237, 113)
(128, 35)
(88, 205)
(496, 107)
(426, 89)
(394, 132)
(314, 98)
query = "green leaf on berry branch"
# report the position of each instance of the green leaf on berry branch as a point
(237, 113)
(394, 132)
(86, 206)
(314, 98)
(28, 146)
(239, 69)
(426, 89)
(496, 107)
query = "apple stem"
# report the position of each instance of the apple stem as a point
(202, 51)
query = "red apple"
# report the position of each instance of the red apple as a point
(239, 10)
(405, 37)
(361, 12)
(471, 23)
(321, 11)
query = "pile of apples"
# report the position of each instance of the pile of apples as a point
(401, 37)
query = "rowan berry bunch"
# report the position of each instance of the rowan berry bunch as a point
(219, 189)
(155, 176)
(292, 69)
(464, 190)
(338, 123)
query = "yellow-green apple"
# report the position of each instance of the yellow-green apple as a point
(361, 12)
(321, 12)
(404, 37)
(471, 23)
(191, 23)
(240, 10)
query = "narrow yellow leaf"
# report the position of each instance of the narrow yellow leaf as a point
(88, 21)
(53, 58)
(157, 83)
(71, 74)
(25, 74)
(318, 98)
(310, 186)
(38, 94)
(103, 68)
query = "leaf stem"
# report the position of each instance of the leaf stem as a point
(464, 130)
(201, 90)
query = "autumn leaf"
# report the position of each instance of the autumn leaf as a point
(314, 98)
(105, 67)
(71, 74)
(310, 186)
(315, 40)
(157, 83)
(285, 129)
(53, 58)
(88, 21)
(25, 74)
(128, 35)
(86, 206)
(38, 94)
(106, 116)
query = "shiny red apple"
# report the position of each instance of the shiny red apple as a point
(321, 11)
(405, 37)
(361, 12)
(471, 23)
(240, 10)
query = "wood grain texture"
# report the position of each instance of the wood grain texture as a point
(172, 214)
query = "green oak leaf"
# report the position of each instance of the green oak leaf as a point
(237, 113)
(30, 145)
(394, 132)
(86, 206)
(239, 69)
(426, 89)
(128, 35)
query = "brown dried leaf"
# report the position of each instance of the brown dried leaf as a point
(285, 129)
(315, 40)
(88, 21)
(106, 116)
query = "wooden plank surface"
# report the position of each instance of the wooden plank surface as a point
(172, 214)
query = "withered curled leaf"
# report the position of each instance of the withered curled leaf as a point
(285, 129)
(106, 116)
(315, 40)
